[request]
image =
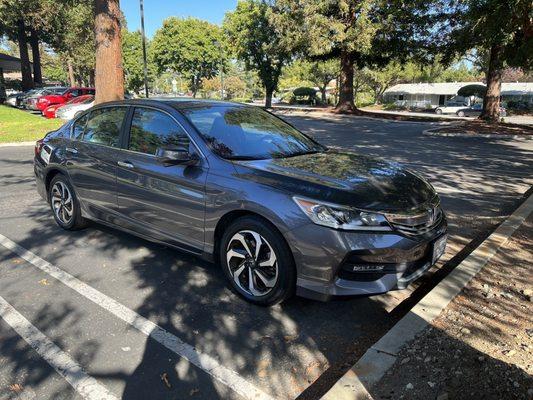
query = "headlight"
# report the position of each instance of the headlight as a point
(341, 217)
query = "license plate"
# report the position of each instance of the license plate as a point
(438, 248)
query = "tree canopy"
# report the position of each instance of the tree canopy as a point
(255, 38)
(190, 47)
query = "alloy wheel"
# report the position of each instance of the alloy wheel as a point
(252, 263)
(62, 203)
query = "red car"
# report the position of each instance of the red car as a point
(51, 99)
(50, 111)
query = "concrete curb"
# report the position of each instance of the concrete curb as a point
(13, 144)
(372, 366)
(431, 132)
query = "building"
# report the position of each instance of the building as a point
(9, 68)
(431, 95)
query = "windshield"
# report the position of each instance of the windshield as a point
(237, 132)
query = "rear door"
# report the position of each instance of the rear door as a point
(92, 158)
(165, 201)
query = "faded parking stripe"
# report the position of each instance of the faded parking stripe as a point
(207, 363)
(85, 385)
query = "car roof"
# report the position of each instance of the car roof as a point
(176, 102)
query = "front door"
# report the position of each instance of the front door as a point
(92, 157)
(160, 200)
(442, 99)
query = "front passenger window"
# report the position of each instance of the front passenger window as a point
(151, 129)
(104, 126)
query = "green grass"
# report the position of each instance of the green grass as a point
(22, 126)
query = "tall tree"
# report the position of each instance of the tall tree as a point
(189, 47)
(501, 29)
(255, 38)
(358, 33)
(109, 73)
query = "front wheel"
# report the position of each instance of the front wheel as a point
(65, 204)
(257, 261)
(438, 111)
(460, 113)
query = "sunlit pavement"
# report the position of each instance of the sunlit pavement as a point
(300, 346)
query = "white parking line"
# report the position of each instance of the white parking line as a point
(85, 385)
(208, 364)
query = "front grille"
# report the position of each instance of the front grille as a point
(416, 224)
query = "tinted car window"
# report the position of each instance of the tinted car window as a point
(151, 129)
(238, 132)
(79, 126)
(103, 126)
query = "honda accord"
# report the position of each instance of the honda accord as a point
(279, 212)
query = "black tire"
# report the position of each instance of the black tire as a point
(460, 113)
(438, 111)
(76, 221)
(286, 271)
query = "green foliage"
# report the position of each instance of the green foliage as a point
(255, 39)
(132, 60)
(53, 68)
(472, 90)
(304, 91)
(372, 32)
(482, 24)
(190, 47)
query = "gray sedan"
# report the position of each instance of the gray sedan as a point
(279, 212)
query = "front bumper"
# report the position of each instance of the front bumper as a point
(340, 263)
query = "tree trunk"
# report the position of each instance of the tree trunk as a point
(36, 56)
(2, 86)
(109, 74)
(25, 66)
(268, 97)
(71, 77)
(346, 103)
(491, 101)
(323, 94)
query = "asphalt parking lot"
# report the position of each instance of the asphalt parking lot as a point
(145, 321)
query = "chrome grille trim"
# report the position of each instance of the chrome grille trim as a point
(416, 224)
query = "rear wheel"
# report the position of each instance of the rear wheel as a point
(461, 113)
(257, 261)
(65, 204)
(438, 111)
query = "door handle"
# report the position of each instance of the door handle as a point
(71, 150)
(125, 164)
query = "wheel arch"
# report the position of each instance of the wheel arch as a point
(231, 216)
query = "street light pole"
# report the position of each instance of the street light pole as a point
(144, 49)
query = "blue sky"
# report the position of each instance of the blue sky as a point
(155, 11)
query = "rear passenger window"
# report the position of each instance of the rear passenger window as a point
(151, 129)
(103, 126)
(79, 127)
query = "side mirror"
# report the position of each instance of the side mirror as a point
(175, 155)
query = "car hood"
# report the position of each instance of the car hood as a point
(343, 178)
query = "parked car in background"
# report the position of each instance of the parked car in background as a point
(279, 212)
(69, 111)
(21, 97)
(30, 101)
(475, 111)
(12, 99)
(50, 111)
(63, 97)
(451, 107)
